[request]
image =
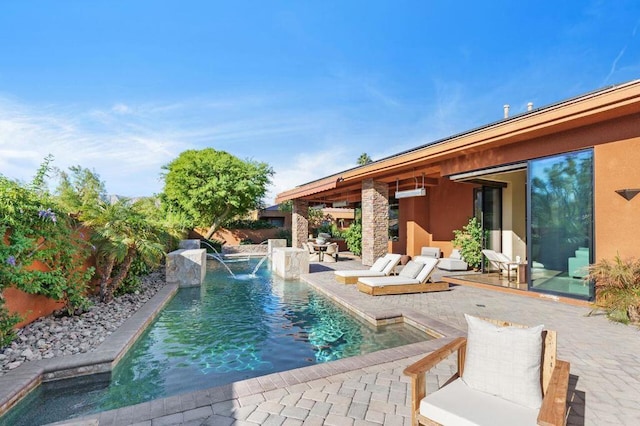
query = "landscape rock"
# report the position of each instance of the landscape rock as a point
(53, 336)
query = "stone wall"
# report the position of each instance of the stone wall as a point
(375, 220)
(299, 223)
(245, 248)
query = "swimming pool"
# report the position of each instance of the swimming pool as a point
(224, 331)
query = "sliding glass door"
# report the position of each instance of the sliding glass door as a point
(560, 210)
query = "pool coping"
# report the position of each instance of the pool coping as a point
(19, 382)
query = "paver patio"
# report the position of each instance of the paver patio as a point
(371, 389)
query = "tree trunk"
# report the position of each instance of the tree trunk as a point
(104, 270)
(217, 222)
(122, 274)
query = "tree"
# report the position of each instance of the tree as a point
(120, 234)
(211, 187)
(364, 159)
(79, 188)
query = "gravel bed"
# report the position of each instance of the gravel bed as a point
(50, 337)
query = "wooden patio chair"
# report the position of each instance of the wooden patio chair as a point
(459, 403)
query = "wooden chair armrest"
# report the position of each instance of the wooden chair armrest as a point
(428, 362)
(553, 411)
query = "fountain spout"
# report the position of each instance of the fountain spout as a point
(217, 256)
(265, 257)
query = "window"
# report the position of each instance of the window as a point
(561, 223)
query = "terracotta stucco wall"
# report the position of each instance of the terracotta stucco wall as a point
(430, 220)
(32, 306)
(617, 221)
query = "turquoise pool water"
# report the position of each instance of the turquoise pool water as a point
(225, 331)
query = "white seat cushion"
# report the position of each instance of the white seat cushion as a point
(451, 264)
(387, 281)
(458, 404)
(504, 361)
(359, 273)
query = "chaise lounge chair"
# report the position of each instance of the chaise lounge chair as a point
(381, 267)
(412, 279)
(499, 261)
(506, 375)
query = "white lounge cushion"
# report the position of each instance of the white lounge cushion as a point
(504, 361)
(379, 264)
(431, 252)
(458, 404)
(359, 273)
(411, 269)
(387, 281)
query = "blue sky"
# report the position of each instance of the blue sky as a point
(122, 87)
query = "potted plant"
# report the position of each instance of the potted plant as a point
(469, 241)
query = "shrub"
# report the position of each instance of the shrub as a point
(617, 286)
(469, 240)
(7, 322)
(353, 238)
(249, 224)
(285, 234)
(38, 232)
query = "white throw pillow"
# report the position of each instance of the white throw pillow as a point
(379, 264)
(504, 361)
(411, 269)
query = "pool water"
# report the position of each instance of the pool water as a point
(224, 331)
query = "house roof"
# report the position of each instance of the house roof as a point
(407, 168)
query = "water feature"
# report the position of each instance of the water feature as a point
(217, 256)
(260, 264)
(223, 332)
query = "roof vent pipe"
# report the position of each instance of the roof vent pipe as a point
(530, 106)
(506, 111)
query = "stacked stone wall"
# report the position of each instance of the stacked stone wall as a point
(375, 220)
(299, 223)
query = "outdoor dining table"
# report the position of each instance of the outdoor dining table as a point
(321, 249)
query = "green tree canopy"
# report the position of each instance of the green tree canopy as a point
(79, 188)
(211, 187)
(364, 159)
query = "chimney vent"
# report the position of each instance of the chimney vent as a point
(506, 111)
(530, 106)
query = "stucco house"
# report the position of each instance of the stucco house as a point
(554, 186)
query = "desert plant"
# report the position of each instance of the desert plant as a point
(617, 285)
(469, 240)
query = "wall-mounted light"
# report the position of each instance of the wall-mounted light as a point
(628, 194)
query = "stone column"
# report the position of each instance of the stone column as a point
(375, 220)
(299, 223)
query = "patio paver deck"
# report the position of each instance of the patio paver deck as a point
(371, 389)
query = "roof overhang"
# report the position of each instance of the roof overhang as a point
(405, 167)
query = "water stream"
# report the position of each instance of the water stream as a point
(217, 256)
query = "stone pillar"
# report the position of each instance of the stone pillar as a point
(299, 223)
(290, 263)
(273, 243)
(375, 220)
(186, 267)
